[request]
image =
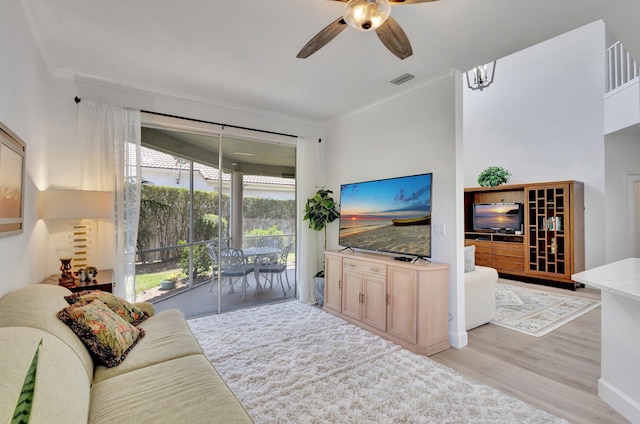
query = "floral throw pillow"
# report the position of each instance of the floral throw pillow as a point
(127, 311)
(106, 334)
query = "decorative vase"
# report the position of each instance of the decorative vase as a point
(319, 281)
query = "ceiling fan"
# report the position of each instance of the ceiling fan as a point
(366, 15)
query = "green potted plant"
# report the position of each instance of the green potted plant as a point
(169, 282)
(493, 176)
(321, 210)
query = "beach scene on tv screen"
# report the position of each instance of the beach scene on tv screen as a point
(392, 215)
(488, 216)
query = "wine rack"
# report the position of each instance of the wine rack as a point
(548, 246)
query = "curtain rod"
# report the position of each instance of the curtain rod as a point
(78, 100)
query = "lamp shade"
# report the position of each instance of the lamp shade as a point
(75, 204)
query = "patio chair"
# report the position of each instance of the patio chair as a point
(233, 267)
(264, 265)
(268, 242)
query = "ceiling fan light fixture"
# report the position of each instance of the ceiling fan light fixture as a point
(366, 15)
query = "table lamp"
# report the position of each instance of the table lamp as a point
(79, 205)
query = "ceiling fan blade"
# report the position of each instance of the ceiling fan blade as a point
(322, 38)
(394, 38)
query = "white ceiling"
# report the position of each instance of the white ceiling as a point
(243, 52)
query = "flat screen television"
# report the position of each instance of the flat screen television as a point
(390, 215)
(497, 216)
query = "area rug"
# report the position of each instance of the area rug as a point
(293, 363)
(537, 312)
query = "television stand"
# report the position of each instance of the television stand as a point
(399, 301)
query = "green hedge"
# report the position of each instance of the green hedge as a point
(164, 216)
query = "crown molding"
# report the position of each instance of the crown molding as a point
(139, 89)
(152, 92)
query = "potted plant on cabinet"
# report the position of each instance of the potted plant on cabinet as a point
(493, 176)
(321, 210)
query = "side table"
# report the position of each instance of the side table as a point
(103, 281)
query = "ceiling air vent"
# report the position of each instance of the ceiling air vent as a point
(402, 79)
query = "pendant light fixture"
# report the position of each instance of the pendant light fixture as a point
(481, 76)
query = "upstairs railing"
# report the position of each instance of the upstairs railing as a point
(621, 67)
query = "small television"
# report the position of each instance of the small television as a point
(497, 216)
(389, 215)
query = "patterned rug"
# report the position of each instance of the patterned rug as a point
(537, 312)
(293, 363)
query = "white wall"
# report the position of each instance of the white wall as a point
(622, 158)
(41, 110)
(269, 191)
(411, 134)
(543, 120)
(23, 100)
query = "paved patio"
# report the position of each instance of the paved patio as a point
(201, 300)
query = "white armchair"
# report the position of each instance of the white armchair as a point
(480, 296)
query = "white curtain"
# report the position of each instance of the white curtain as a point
(307, 171)
(109, 154)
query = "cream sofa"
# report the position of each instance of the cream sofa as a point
(164, 379)
(480, 296)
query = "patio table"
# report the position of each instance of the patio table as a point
(257, 252)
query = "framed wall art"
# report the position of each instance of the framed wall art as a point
(12, 174)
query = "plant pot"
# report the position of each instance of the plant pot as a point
(167, 285)
(319, 282)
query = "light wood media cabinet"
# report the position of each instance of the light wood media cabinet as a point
(403, 302)
(551, 246)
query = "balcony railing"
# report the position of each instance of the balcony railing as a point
(621, 67)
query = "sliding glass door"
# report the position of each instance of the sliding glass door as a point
(210, 191)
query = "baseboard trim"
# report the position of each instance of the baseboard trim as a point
(622, 403)
(458, 340)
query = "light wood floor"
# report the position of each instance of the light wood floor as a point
(557, 373)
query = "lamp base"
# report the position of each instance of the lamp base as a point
(66, 278)
(66, 281)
